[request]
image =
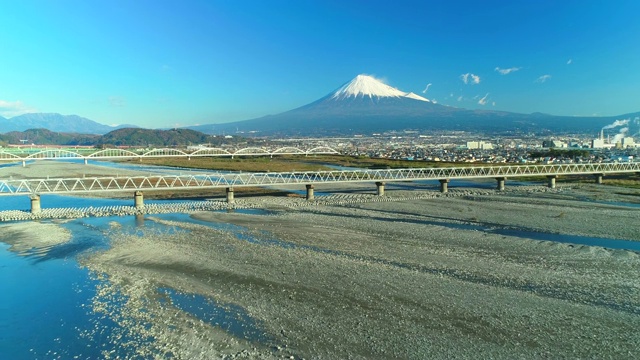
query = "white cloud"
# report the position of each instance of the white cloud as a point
(426, 89)
(543, 78)
(493, 103)
(507, 71)
(117, 101)
(460, 98)
(469, 77)
(10, 109)
(483, 101)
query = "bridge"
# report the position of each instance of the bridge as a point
(229, 181)
(122, 154)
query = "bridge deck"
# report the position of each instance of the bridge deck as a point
(220, 180)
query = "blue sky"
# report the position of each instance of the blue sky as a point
(174, 63)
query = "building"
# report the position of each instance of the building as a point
(554, 144)
(479, 145)
(627, 142)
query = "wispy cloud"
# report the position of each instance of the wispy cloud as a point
(470, 78)
(483, 101)
(117, 101)
(569, 61)
(507, 71)
(543, 78)
(426, 89)
(460, 98)
(10, 109)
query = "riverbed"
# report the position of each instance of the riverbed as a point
(525, 273)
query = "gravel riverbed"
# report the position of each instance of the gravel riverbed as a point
(399, 278)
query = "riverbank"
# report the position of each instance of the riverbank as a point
(395, 277)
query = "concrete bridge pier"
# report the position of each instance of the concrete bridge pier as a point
(552, 181)
(138, 200)
(444, 185)
(86, 161)
(598, 178)
(500, 180)
(230, 199)
(309, 192)
(380, 188)
(35, 204)
(24, 163)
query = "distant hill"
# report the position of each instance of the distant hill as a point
(45, 136)
(366, 105)
(55, 122)
(154, 138)
(120, 137)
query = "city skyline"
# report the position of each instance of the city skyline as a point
(167, 64)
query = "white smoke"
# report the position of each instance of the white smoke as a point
(620, 135)
(426, 89)
(636, 121)
(616, 124)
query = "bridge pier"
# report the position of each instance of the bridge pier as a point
(24, 163)
(138, 200)
(500, 180)
(86, 161)
(552, 181)
(35, 204)
(380, 188)
(444, 185)
(309, 192)
(230, 199)
(598, 178)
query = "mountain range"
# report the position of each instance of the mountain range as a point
(57, 123)
(363, 105)
(366, 105)
(127, 136)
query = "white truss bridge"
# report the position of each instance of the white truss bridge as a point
(115, 154)
(229, 181)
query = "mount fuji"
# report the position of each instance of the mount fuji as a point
(367, 105)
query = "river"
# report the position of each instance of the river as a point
(46, 294)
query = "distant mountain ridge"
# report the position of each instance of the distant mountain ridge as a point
(127, 136)
(55, 122)
(367, 105)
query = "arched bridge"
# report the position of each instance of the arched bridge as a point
(114, 154)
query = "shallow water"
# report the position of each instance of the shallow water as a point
(46, 295)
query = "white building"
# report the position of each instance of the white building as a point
(479, 145)
(627, 142)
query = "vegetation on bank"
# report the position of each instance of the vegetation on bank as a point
(559, 153)
(294, 163)
(248, 164)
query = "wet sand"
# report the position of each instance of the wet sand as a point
(393, 279)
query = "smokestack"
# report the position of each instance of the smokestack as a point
(602, 134)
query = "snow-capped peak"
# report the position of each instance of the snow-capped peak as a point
(366, 85)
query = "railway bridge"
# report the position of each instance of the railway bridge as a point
(230, 181)
(25, 155)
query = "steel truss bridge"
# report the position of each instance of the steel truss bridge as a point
(115, 154)
(229, 181)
